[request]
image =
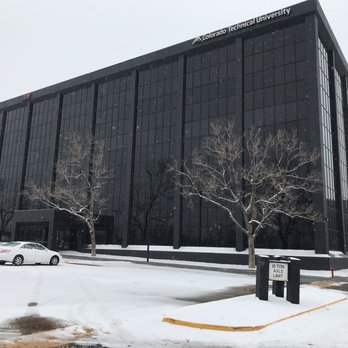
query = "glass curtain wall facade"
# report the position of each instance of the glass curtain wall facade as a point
(326, 139)
(76, 117)
(13, 153)
(112, 127)
(155, 144)
(275, 97)
(342, 150)
(209, 97)
(41, 153)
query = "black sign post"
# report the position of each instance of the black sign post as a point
(293, 288)
(280, 270)
(262, 275)
(278, 288)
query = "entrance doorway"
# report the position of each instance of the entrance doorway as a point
(67, 239)
(33, 233)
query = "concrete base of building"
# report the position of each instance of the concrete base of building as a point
(329, 262)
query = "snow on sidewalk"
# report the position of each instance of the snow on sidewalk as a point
(248, 313)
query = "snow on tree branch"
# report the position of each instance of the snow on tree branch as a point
(255, 176)
(81, 176)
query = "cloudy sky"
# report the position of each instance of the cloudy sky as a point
(43, 42)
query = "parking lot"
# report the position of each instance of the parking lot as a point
(121, 304)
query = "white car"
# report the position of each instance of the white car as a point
(27, 252)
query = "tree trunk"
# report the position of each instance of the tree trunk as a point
(251, 250)
(93, 242)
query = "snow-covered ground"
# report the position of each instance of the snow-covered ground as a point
(125, 303)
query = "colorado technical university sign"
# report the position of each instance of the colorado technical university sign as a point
(242, 25)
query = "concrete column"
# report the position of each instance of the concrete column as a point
(29, 111)
(241, 241)
(130, 148)
(179, 151)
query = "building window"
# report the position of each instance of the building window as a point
(325, 122)
(341, 137)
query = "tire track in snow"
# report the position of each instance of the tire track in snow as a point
(84, 311)
(34, 297)
(32, 309)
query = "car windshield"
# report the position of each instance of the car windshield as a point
(9, 244)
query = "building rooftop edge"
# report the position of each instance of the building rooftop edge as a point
(302, 8)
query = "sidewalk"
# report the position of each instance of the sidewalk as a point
(306, 276)
(238, 269)
(247, 313)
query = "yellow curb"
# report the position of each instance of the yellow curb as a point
(244, 328)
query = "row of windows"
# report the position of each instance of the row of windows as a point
(114, 100)
(276, 114)
(155, 144)
(156, 135)
(158, 88)
(211, 75)
(46, 105)
(205, 224)
(115, 86)
(275, 39)
(211, 58)
(77, 117)
(75, 97)
(199, 128)
(113, 123)
(152, 154)
(114, 113)
(325, 114)
(159, 103)
(211, 92)
(42, 136)
(158, 73)
(282, 94)
(13, 152)
(275, 58)
(341, 137)
(157, 120)
(211, 109)
(276, 76)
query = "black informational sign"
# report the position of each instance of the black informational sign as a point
(280, 270)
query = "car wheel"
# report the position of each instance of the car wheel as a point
(2, 262)
(54, 260)
(18, 260)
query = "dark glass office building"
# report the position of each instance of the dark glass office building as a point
(282, 70)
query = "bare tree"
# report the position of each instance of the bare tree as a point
(79, 186)
(147, 198)
(6, 208)
(253, 178)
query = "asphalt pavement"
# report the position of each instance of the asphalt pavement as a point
(305, 279)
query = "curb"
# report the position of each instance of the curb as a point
(245, 328)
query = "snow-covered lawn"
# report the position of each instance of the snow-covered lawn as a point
(124, 303)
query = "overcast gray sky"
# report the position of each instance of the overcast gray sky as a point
(43, 42)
